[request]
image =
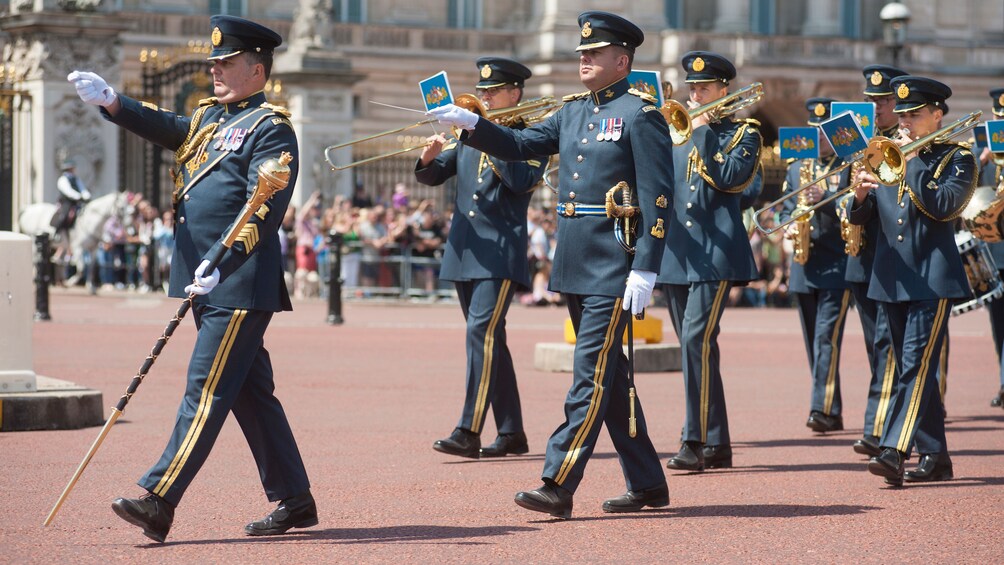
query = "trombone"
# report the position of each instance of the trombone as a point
(680, 118)
(882, 158)
(529, 111)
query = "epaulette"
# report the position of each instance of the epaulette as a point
(790, 160)
(643, 95)
(750, 121)
(211, 101)
(962, 144)
(576, 96)
(277, 109)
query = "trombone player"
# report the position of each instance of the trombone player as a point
(860, 256)
(992, 174)
(485, 257)
(917, 273)
(817, 273)
(707, 252)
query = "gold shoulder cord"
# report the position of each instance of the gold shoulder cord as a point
(937, 174)
(702, 169)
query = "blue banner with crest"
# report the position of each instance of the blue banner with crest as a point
(864, 111)
(844, 135)
(436, 91)
(798, 143)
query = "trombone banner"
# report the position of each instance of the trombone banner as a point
(436, 91)
(995, 135)
(844, 134)
(798, 142)
(863, 111)
(649, 82)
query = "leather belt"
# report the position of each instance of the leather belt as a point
(572, 209)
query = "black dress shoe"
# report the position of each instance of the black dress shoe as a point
(505, 444)
(296, 512)
(932, 467)
(998, 401)
(635, 500)
(867, 445)
(717, 456)
(888, 464)
(150, 512)
(550, 499)
(823, 423)
(461, 442)
(690, 457)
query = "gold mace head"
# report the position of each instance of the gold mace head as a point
(276, 172)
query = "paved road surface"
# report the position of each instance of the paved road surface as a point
(367, 399)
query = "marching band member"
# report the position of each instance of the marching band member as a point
(992, 174)
(860, 255)
(485, 256)
(708, 251)
(817, 273)
(917, 274)
(607, 135)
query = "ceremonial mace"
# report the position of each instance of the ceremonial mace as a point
(623, 232)
(273, 176)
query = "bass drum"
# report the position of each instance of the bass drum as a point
(984, 214)
(984, 280)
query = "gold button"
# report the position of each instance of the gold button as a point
(591, 126)
(902, 204)
(181, 220)
(476, 196)
(899, 238)
(584, 140)
(900, 221)
(596, 110)
(480, 180)
(571, 195)
(692, 188)
(689, 223)
(690, 205)
(580, 158)
(471, 213)
(188, 197)
(575, 176)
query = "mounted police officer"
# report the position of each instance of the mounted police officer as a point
(485, 257)
(817, 273)
(917, 274)
(860, 256)
(605, 136)
(218, 150)
(708, 252)
(992, 174)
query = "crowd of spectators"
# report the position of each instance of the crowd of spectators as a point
(390, 247)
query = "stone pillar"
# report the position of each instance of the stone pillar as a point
(733, 16)
(17, 307)
(317, 86)
(822, 17)
(43, 47)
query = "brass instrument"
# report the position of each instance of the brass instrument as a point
(882, 158)
(529, 111)
(852, 234)
(801, 232)
(680, 118)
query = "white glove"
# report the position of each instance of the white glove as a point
(85, 195)
(92, 89)
(202, 285)
(638, 292)
(454, 116)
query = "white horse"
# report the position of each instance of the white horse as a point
(85, 235)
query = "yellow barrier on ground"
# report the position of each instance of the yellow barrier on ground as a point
(649, 329)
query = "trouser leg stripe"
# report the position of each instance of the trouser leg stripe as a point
(205, 404)
(831, 374)
(906, 433)
(888, 380)
(594, 403)
(486, 366)
(706, 359)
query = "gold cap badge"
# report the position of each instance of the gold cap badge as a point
(217, 37)
(903, 91)
(587, 29)
(876, 78)
(697, 65)
(819, 110)
(1000, 100)
(486, 71)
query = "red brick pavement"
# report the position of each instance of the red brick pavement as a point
(368, 398)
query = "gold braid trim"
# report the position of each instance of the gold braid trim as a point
(702, 168)
(193, 127)
(944, 162)
(736, 138)
(958, 212)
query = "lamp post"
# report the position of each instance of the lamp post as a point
(894, 16)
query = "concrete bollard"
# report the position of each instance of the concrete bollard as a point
(17, 309)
